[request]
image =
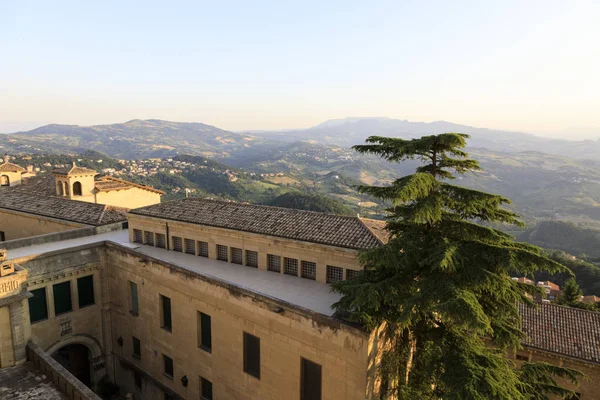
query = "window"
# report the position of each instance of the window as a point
(252, 355)
(290, 266)
(77, 189)
(334, 274)
(205, 389)
(236, 256)
(38, 308)
(273, 263)
(522, 357)
(177, 244)
(4, 180)
(161, 241)
(137, 236)
(351, 273)
(204, 332)
(251, 259)
(2, 236)
(310, 380)
(168, 366)
(203, 249)
(149, 236)
(137, 348)
(190, 246)
(137, 379)
(134, 298)
(222, 253)
(309, 270)
(62, 298)
(165, 304)
(168, 396)
(85, 289)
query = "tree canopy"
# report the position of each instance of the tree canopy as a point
(439, 292)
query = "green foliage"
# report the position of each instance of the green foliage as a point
(571, 294)
(441, 286)
(311, 202)
(565, 236)
(586, 274)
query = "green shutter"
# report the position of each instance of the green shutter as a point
(85, 288)
(62, 298)
(38, 308)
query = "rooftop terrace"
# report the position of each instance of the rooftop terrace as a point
(314, 296)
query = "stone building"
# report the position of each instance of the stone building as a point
(205, 299)
(10, 174)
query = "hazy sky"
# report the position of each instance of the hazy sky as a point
(521, 65)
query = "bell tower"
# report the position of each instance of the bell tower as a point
(76, 183)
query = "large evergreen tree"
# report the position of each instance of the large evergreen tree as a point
(440, 290)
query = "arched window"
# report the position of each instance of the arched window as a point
(4, 180)
(59, 189)
(66, 189)
(77, 189)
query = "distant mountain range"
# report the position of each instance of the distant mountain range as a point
(155, 138)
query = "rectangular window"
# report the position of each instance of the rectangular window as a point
(137, 236)
(168, 366)
(236, 256)
(251, 259)
(273, 263)
(222, 253)
(309, 270)
(38, 308)
(149, 237)
(134, 298)
(165, 305)
(204, 332)
(177, 244)
(190, 246)
(334, 274)
(522, 357)
(2, 236)
(290, 266)
(62, 298)
(161, 241)
(310, 380)
(203, 249)
(85, 289)
(205, 389)
(351, 273)
(137, 379)
(252, 355)
(137, 348)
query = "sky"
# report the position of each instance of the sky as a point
(530, 65)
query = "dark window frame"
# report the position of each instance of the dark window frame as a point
(43, 300)
(70, 296)
(135, 305)
(166, 319)
(237, 255)
(202, 249)
(137, 348)
(251, 355)
(208, 393)
(304, 362)
(88, 300)
(168, 363)
(205, 332)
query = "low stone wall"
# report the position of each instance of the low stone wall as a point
(60, 377)
(48, 238)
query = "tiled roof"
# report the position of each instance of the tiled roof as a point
(378, 228)
(308, 226)
(74, 170)
(10, 167)
(42, 184)
(59, 208)
(107, 183)
(566, 331)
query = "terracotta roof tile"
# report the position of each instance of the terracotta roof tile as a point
(74, 170)
(107, 183)
(10, 167)
(59, 208)
(378, 228)
(308, 226)
(567, 331)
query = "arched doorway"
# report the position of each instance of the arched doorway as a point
(59, 188)
(77, 189)
(4, 180)
(75, 358)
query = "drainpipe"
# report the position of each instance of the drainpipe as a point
(167, 241)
